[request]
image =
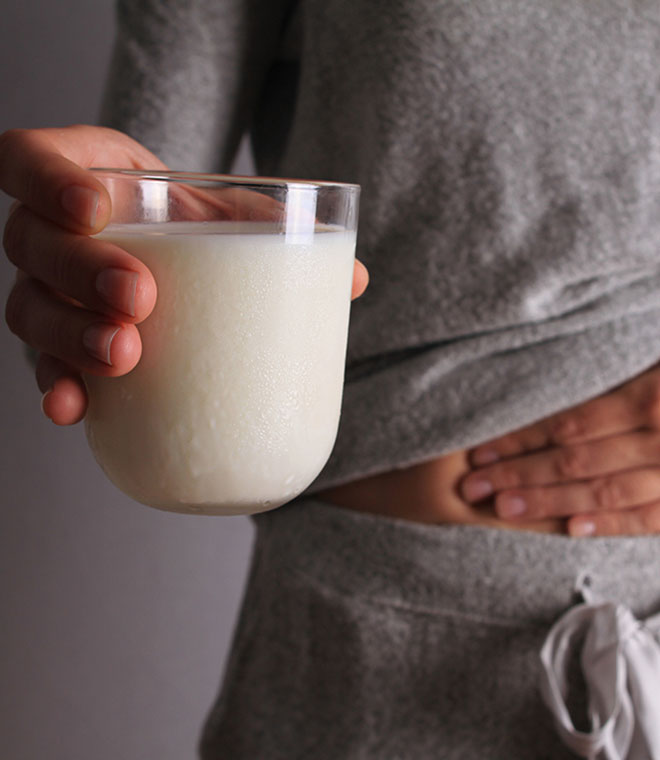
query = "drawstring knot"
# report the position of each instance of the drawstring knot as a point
(620, 660)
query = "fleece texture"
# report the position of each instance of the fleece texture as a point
(378, 639)
(509, 158)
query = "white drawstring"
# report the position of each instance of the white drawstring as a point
(621, 665)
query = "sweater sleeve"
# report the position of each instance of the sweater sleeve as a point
(186, 75)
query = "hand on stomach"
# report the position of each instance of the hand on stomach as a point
(429, 492)
(591, 470)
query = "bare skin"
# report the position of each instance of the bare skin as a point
(591, 470)
(428, 493)
(73, 292)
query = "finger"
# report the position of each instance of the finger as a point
(360, 279)
(531, 438)
(34, 171)
(563, 464)
(64, 398)
(634, 404)
(620, 491)
(97, 273)
(639, 521)
(236, 203)
(80, 338)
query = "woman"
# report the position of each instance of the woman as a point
(507, 158)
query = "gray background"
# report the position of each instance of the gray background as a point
(115, 618)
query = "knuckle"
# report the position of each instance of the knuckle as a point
(51, 334)
(513, 479)
(506, 476)
(11, 140)
(13, 236)
(55, 337)
(571, 463)
(607, 494)
(15, 308)
(65, 265)
(33, 185)
(568, 426)
(18, 142)
(9, 136)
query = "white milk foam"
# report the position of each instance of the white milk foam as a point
(234, 405)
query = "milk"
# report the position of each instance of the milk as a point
(234, 405)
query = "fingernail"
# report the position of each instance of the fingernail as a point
(81, 203)
(511, 506)
(43, 401)
(97, 340)
(117, 287)
(473, 490)
(484, 456)
(582, 528)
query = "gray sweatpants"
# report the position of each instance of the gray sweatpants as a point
(367, 638)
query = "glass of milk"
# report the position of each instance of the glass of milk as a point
(234, 405)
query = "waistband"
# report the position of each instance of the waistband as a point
(503, 575)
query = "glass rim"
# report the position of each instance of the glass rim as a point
(164, 175)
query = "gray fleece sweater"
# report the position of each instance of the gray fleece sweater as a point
(509, 155)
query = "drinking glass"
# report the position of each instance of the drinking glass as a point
(234, 405)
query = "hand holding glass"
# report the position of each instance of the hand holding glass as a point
(234, 405)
